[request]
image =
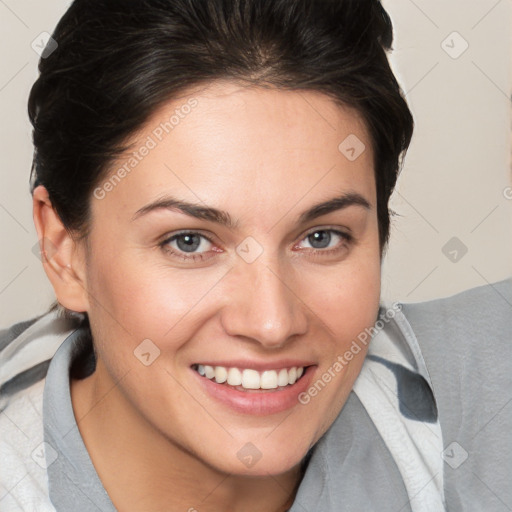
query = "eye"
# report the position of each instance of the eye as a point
(322, 239)
(188, 242)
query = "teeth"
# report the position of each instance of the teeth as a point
(221, 374)
(282, 379)
(268, 379)
(234, 377)
(209, 372)
(251, 379)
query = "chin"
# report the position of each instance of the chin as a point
(264, 468)
(259, 458)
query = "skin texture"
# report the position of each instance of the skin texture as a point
(264, 156)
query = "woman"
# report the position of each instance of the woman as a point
(211, 185)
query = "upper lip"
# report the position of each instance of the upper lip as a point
(258, 365)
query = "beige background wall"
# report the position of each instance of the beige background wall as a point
(454, 185)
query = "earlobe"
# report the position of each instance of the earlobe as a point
(62, 256)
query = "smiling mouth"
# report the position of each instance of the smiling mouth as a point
(248, 379)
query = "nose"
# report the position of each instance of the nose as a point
(263, 306)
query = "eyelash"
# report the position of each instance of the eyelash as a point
(164, 245)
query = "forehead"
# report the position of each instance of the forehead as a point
(244, 148)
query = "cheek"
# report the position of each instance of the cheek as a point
(346, 299)
(146, 299)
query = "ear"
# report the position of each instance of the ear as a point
(63, 257)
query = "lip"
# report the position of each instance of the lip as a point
(259, 403)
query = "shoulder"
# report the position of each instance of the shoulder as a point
(488, 306)
(466, 341)
(480, 318)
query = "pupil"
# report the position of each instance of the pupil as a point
(320, 239)
(188, 243)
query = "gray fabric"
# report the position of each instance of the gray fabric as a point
(26, 351)
(73, 481)
(351, 469)
(467, 345)
(7, 335)
(25, 379)
(414, 394)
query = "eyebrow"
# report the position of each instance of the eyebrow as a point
(337, 203)
(223, 218)
(191, 209)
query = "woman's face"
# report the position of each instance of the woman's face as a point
(241, 243)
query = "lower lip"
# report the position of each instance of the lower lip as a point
(261, 402)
